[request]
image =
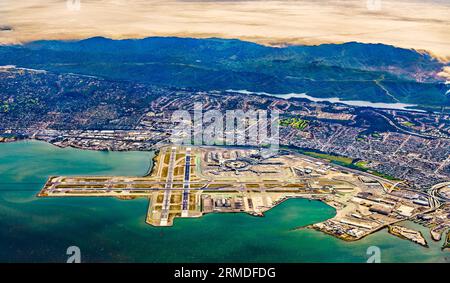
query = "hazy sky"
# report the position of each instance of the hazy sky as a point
(404, 23)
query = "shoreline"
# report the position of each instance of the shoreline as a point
(402, 232)
(349, 239)
(446, 246)
(310, 197)
(336, 100)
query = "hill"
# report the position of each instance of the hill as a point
(350, 71)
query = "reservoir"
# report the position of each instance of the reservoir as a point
(112, 230)
(357, 103)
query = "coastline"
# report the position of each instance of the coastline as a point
(314, 226)
(336, 100)
(122, 213)
(349, 239)
(446, 246)
(405, 234)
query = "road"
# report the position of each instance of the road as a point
(436, 198)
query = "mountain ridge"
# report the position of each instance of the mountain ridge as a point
(351, 71)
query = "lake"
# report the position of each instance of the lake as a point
(357, 103)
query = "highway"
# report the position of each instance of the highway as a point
(436, 198)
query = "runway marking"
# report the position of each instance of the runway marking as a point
(168, 187)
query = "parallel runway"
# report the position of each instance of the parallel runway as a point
(169, 184)
(187, 174)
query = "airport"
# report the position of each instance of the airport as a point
(193, 181)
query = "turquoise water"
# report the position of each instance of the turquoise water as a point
(111, 230)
